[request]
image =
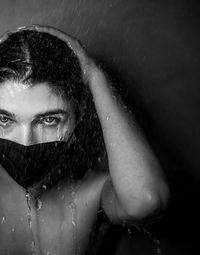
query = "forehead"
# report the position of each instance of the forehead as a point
(23, 98)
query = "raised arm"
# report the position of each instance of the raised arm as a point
(136, 189)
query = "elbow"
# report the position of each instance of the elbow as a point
(150, 203)
(153, 203)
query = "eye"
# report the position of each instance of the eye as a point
(5, 120)
(50, 121)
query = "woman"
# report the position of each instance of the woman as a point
(45, 79)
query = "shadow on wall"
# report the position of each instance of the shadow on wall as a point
(152, 50)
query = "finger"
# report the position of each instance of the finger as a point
(70, 40)
(73, 43)
(4, 37)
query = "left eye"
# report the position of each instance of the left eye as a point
(50, 121)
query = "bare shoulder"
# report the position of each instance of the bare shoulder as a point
(90, 187)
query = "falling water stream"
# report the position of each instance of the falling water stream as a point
(28, 200)
(73, 208)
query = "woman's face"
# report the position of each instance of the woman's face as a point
(34, 114)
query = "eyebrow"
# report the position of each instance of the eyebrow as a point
(10, 114)
(51, 112)
(39, 115)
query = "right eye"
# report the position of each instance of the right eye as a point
(5, 120)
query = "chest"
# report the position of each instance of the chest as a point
(62, 222)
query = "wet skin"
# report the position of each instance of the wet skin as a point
(31, 115)
(134, 193)
(63, 221)
(60, 226)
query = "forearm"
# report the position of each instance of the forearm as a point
(139, 185)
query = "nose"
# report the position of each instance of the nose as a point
(26, 135)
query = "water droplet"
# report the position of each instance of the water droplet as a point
(125, 107)
(74, 194)
(21, 28)
(48, 253)
(73, 208)
(39, 204)
(59, 134)
(72, 205)
(100, 211)
(157, 242)
(73, 222)
(124, 223)
(63, 196)
(28, 199)
(3, 219)
(44, 187)
(2, 132)
(32, 245)
(158, 251)
(129, 231)
(13, 230)
(107, 117)
(29, 222)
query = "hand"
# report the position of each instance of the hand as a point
(87, 64)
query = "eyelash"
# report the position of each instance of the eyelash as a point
(5, 121)
(55, 121)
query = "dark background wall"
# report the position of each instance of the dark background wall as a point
(152, 48)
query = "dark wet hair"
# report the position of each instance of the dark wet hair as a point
(32, 57)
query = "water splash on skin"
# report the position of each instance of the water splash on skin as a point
(41, 131)
(129, 231)
(44, 187)
(28, 200)
(38, 204)
(73, 208)
(155, 241)
(3, 219)
(59, 135)
(2, 132)
(107, 117)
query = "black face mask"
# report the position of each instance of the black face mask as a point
(28, 165)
